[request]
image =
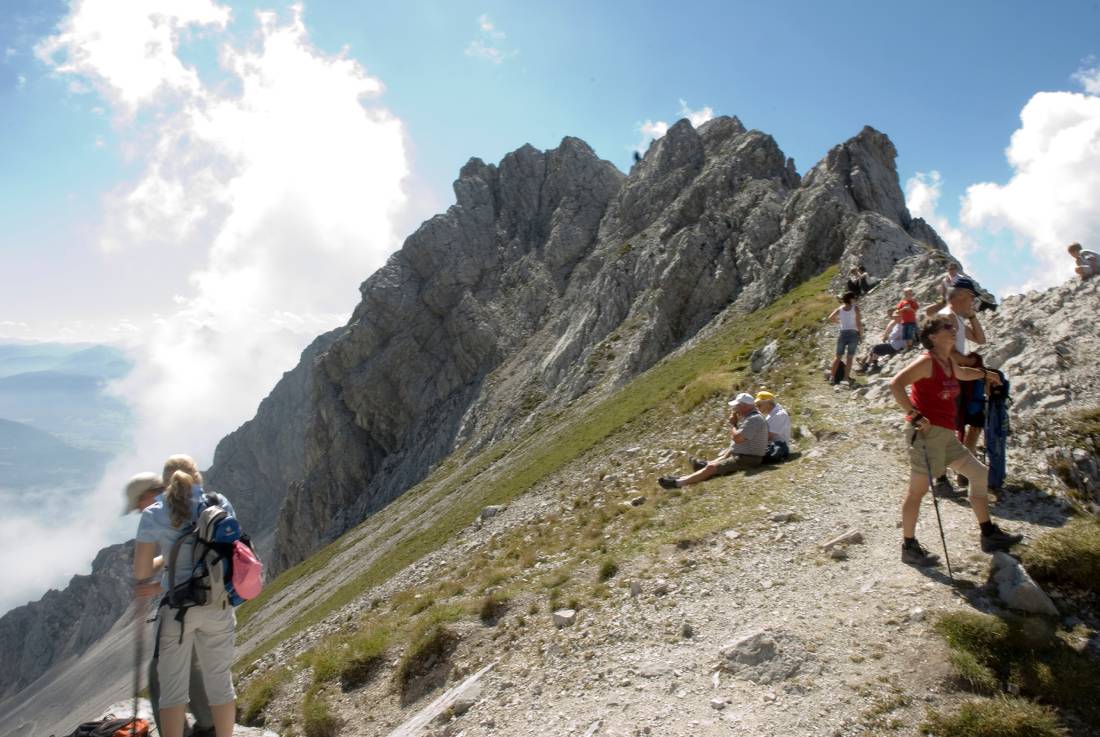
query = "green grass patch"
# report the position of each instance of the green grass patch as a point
(999, 717)
(706, 386)
(365, 654)
(1068, 557)
(493, 606)
(1024, 655)
(796, 316)
(419, 668)
(258, 694)
(318, 717)
(608, 570)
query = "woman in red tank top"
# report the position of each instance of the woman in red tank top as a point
(932, 381)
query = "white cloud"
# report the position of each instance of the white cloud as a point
(1050, 201)
(20, 81)
(651, 130)
(1088, 76)
(922, 197)
(491, 46)
(290, 178)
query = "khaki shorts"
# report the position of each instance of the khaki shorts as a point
(209, 632)
(734, 463)
(943, 447)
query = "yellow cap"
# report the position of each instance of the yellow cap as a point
(764, 396)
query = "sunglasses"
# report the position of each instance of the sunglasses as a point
(948, 326)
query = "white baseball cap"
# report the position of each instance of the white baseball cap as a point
(743, 398)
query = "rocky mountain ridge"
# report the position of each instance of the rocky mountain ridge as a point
(553, 277)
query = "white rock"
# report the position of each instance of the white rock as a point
(1017, 589)
(564, 617)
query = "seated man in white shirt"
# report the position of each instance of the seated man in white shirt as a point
(779, 427)
(1088, 262)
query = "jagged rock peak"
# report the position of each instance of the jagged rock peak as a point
(865, 166)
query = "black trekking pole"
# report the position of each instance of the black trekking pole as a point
(935, 501)
(139, 655)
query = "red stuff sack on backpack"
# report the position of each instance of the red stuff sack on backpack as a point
(248, 571)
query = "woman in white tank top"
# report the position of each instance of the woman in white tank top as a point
(851, 328)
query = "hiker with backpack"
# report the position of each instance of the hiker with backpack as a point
(970, 420)
(186, 626)
(141, 491)
(749, 434)
(851, 328)
(927, 390)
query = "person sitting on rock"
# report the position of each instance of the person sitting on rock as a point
(927, 390)
(779, 427)
(894, 344)
(858, 282)
(847, 340)
(1088, 262)
(908, 307)
(750, 443)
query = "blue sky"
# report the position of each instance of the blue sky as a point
(209, 182)
(947, 82)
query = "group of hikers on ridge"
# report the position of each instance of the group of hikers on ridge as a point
(942, 392)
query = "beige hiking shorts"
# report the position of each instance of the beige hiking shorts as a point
(211, 632)
(943, 448)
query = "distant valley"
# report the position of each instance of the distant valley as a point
(58, 424)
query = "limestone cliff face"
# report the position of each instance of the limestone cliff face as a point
(61, 624)
(554, 276)
(255, 464)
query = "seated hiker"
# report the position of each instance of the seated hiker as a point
(908, 307)
(1088, 262)
(894, 343)
(141, 492)
(779, 427)
(851, 328)
(858, 283)
(750, 442)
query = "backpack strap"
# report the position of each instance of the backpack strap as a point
(173, 556)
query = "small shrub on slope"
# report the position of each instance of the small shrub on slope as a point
(1068, 557)
(1000, 717)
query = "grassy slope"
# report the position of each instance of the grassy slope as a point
(676, 383)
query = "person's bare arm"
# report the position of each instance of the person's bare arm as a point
(974, 330)
(975, 374)
(145, 567)
(919, 368)
(859, 322)
(833, 315)
(889, 327)
(933, 310)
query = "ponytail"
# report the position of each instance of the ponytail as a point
(178, 497)
(180, 475)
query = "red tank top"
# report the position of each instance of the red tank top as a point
(935, 396)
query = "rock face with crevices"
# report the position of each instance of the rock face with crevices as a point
(554, 277)
(65, 623)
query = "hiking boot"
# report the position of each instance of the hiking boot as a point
(697, 464)
(999, 540)
(669, 482)
(943, 489)
(198, 731)
(916, 554)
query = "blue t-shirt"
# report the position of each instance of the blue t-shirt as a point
(155, 526)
